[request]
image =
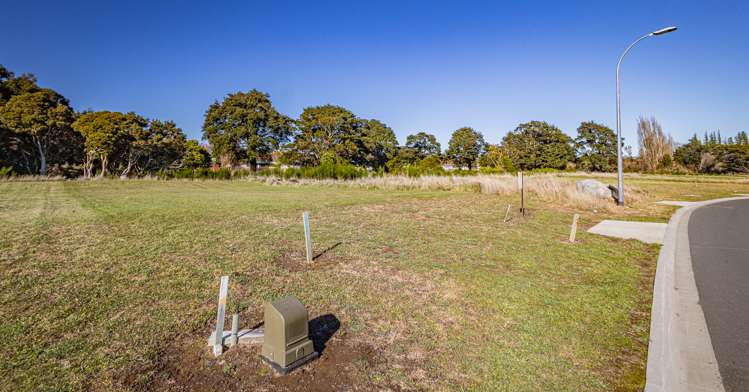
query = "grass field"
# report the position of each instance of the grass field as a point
(111, 285)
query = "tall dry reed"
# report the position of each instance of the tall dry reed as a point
(545, 187)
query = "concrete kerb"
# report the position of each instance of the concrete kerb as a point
(680, 354)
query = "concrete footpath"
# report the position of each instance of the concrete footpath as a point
(681, 355)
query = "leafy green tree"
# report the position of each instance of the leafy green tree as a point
(690, 154)
(731, 158)
(102, 132)
(131, 144)
(44, 116)
(417, 148)
(195, 156)
(146, 146)
(596, 147)
(495, 157)
(325, 129)
(741, 138)
(423, 145)
(11, 85)
(378, 144)
(16, 150)
(465, 147)
(537, 144)
(19, 149)
(245, 126)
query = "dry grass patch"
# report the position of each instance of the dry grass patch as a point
(549, 188)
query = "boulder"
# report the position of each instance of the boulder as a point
(595, 188)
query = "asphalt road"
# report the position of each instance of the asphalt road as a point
(719, 246)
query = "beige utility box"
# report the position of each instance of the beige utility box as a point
(287, 344)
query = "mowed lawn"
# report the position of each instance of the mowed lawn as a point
(101, 280)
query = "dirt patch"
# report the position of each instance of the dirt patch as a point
(296, 261)
(344, 364)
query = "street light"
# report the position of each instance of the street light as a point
(620, 175)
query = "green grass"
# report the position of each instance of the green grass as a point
(98, 278)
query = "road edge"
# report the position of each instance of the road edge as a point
(680, 353)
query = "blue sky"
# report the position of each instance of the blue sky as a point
(415, 65)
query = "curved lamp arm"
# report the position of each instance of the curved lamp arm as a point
(620, 175)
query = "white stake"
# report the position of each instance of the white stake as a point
(573, 229)
(223, 292)
(507, 214)
(307, 238)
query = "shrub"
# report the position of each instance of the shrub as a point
(6, 171)
(328, 169)
(203, 173)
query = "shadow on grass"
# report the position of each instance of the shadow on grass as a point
(328, 249)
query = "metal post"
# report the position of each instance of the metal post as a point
(233, 339)
(619, 165)
(307, 238)
(522, 193)
(218, 344)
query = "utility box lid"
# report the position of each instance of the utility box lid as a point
(287, 344)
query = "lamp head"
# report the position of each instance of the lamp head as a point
(664, 30)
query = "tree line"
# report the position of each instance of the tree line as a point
(40, 133)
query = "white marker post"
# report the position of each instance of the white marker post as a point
(507, 213)
(307, 238)
(573, 229)
(223, 292)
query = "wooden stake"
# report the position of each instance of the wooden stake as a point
(223, 292)
(573, 229)
(307, 237)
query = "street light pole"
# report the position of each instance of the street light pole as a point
(619, 168)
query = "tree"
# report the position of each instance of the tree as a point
(378, 144)
(147, 146)
(741, 138)
(465, 147)
(102, 131)
(43, 115)
(596, 147)
(495, 157)
(732, 158)
(537, 144)
(11, 85)
(325, 129)
(423, 145)
(690, 154)
(245, 126)
(654, 144)
(16, 149)
(195, 156)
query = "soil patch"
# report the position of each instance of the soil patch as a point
(344, 364)
(295, 261)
